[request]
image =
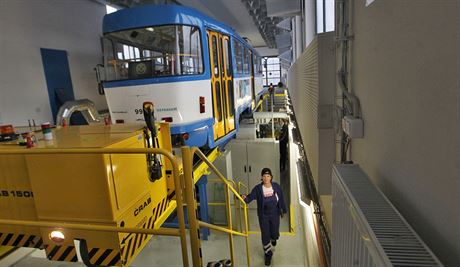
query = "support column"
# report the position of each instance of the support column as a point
(204, 210)
(298, 37)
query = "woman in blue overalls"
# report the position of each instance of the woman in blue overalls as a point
(270, 206)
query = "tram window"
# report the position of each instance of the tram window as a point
(218, 102)
(227, 52)
(247, 61)
(169, 50)
(254, 63)
(215, 56)
(259, 64)
(224, 99)
(230, 97)
(223, 57)
(110, 70)
(238, 56)
(190, 51)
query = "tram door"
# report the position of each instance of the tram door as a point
(222, 84)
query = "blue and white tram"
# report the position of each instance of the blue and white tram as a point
(198, 72)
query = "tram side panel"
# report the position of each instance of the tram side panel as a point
(176, 102)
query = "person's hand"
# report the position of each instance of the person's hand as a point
(243, 197)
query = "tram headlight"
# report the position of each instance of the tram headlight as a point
(57, 236)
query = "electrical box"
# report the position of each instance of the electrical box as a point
(353, 127)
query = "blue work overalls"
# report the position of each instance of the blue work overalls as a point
(269, 222)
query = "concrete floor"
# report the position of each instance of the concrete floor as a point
(165, 251)
(290, 250)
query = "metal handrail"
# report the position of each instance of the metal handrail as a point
(196, 151)
(221, 229)
(239, 191)
(93, 227)
(177, 185)
(241, 184)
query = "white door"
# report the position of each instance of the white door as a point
(248, 160)
(239, 162)
(261, 155)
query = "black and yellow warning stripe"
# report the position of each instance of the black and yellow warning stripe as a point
(104, 257)
(95, 256)
(61, 253)
(20, 240)
(133, 242)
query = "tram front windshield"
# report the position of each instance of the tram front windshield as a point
(158, 51)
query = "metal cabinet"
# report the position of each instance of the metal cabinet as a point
(250, 156)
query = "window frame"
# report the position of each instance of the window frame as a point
(321, 26)
(265, 71)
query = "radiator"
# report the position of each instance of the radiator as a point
(367, 230)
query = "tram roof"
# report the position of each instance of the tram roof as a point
(152, 15)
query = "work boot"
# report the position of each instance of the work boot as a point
(268, 260)
(273, 242)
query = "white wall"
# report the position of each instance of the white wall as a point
(406, 68)
(311, 81)
(27, 26)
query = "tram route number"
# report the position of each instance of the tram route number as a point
(16, 193)
(138, 111)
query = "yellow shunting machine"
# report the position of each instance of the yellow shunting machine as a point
(96, 189)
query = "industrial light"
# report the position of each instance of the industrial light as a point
(57, 236)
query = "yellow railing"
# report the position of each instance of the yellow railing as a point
(161, 231)
(240, 184)
(187, 157)
(184, 181)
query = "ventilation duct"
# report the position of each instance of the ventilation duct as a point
(285, 24)
(286, 56)
(283, 8)
(266, 25)
(283, 40)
